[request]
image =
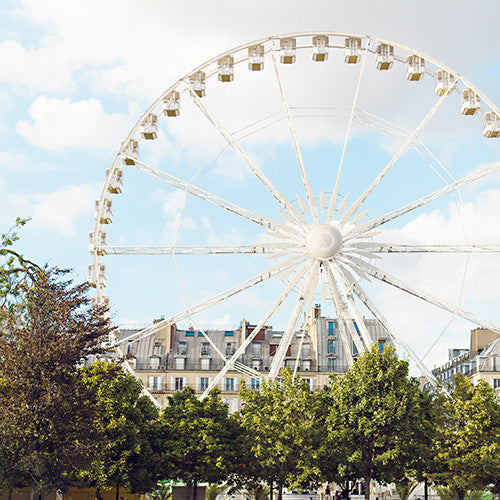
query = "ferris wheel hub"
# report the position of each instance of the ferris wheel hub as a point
(324, 241)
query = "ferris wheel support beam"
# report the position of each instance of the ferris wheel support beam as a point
(385, 277)
(231, 140)
(397, 339)
(354, 207)
(261, 220)
(305, 180)
(293, 322)
(343, 319)
(333, 199)
(375, 247)
(275, 270)
(241, 349)
(345, 288)
(423, 201)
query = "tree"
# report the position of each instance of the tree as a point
(198, 440)
(47, 327)
(280, 425)
(122, 420)
(380, 423)
(467, 446)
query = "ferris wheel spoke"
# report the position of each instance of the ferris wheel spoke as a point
(304, 291)
(241, 349)
(344, 319)
(354, 207)
(333, 199)
(268, 248)
(376, 247)
(367, 226)
(305, 180)
(345, 287)
(231, 140)
(271, 272)
(187, 187)
(392, 332)
(385, 277)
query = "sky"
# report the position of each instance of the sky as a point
(77, 76)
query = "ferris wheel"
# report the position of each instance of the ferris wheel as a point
(291, 161)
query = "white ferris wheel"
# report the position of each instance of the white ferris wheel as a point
(291, 161)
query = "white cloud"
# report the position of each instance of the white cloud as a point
(59, 124)
(172, 206)
(55, 211)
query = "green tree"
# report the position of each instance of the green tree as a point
(122, 421)
(47, 326)
(280, 425)
(380, 423)
(198, 440)
(467, 454)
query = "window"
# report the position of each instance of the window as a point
(178, 383)
(496, 383)
(200, 334)
(355, 326)
(189, 333)
(330, 328)
(331, 346)
(229, 348)
(180, 363)
(203, 383)
(255, 384)
(256, 364)
(228, 334)
(205, 349)
(306, 365)
(230, 384)
(331, 364)
(205, 363)
(256, 349)
(306, 350)
(182, 348)
(381, 345)
(272, 349)
(354, 348)
(155, 383)
(154, 363)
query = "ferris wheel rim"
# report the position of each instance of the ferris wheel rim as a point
(272, 39)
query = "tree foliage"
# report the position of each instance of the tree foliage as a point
(280, 426)
(467, 448)
(380, 423)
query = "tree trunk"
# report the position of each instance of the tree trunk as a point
(458, 493)
(367, 487)
(10, 494)
(270, 490)
(280, 491)
(98, 494)
(117, 492)
(426, 489)
(195, 488)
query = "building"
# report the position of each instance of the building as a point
(481, 361)
(174, 358)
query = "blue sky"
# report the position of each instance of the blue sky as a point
(77, 77)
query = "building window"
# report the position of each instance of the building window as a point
(256, 349)
(355, 326)
(330, 328)
(155, 383)
(331, 364)
(190, 333)
(272, 349)
(255, 384)
(205, 363)
(256, 364)
(354, 348)
(203, 383)
(306, 350)
(205, 349)
(306, 365)
(180, 363)
(228, 334)
(229, 348)
(496, 383)
(178, 383)
(290, 363)
(381, 345)
(182, 348)
(154, 363)
(230, 384)
(331, 346)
